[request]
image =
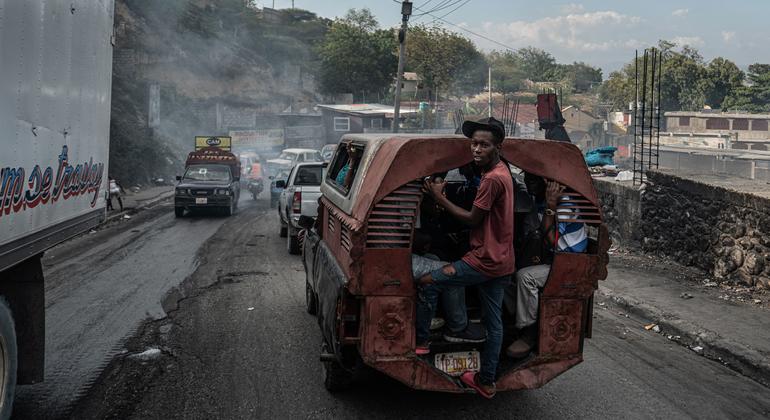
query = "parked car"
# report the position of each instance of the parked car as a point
(275, 191)
(327, 152)
(299, 198)
(358, 262)
(290, 157)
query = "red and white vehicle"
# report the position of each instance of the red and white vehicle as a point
(299, 198)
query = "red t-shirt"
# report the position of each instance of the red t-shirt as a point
(492, 241)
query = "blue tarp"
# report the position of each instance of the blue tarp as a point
(601, 156)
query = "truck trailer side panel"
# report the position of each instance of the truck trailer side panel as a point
(55, 83)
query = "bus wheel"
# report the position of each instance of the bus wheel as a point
(8, 360)
(311, 302)
(336, 378)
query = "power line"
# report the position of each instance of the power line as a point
(455, 9)
(441, 19)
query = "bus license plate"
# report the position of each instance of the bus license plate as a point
(199, 200)
(455, 364)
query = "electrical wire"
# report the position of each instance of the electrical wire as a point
(441, 19)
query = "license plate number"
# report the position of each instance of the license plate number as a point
(201, 200)
(455, 364)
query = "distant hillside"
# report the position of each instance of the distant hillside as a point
(202, 54)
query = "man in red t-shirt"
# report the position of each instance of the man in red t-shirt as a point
(490, 261)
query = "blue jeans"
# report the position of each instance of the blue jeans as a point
(491, 291)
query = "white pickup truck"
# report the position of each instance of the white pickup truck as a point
(299, 198)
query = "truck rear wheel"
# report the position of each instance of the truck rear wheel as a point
(8, 360)
(292, 244)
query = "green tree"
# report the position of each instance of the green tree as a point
(582, 77)
(357, 56)
(684, 82)
(446, 60)
(538, 65)
(722, 77)
(754, 97)
(507, 72)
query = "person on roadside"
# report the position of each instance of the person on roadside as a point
(115, 190)
(490, 261)
(533, 273)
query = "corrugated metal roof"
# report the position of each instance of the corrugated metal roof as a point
(366, 109)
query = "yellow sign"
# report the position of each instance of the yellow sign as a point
(222, 142)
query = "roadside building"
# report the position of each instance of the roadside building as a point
(411, 84)
(339, 120)
(718, 130)
(585, 129)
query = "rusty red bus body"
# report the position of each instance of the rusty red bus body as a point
(366, 301)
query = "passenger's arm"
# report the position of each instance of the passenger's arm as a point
(471, 218)
(550, 227)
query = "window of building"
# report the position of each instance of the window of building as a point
(684, 121)
(740, 124)
(376, 122)
(343, 170)
(341, 124)
(759, 125)
(717, 124)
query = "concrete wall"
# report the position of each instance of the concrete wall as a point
(723, 232)
(621, 207)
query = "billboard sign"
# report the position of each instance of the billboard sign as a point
(222, 142)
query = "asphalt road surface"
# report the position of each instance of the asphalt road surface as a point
(236, 342)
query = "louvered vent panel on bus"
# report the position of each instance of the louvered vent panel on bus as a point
(331, 222)
(345, 237)
(573, 207)
(392, 220)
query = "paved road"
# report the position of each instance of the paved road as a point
(100, 288)
(238, 344)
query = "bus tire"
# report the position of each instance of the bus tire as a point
(8, 360)
(336, 377)
(311, 301)
(292, 244)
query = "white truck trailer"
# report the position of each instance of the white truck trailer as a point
(55, 83)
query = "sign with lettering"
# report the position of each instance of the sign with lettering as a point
(222, 142)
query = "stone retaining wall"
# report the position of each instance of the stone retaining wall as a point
(723, 232)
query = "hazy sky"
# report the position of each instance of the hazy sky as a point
(602, 33)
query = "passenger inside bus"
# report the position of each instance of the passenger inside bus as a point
(344, 173)
(536, 206)
(539, 235)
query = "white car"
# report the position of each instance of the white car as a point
(290, 157)
(299, 198)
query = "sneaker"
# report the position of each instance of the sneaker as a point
(473, 333)
(472, 380)
(519, 349)
(524, 344)
(422, 349)
(436, 323)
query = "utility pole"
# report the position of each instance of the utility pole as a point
(406, 10)
(490, 93)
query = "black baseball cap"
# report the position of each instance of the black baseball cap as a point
(487, 124)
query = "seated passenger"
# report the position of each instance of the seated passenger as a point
(452, 299)
(534, 269)
(347, 173)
